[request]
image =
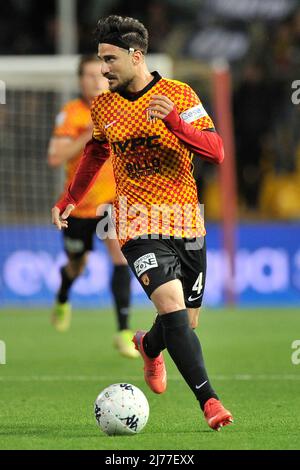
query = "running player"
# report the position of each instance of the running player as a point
(152, 126)
(73, 129)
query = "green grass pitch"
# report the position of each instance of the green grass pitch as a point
(50, 382)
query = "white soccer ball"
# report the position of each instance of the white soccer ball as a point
(121, 409)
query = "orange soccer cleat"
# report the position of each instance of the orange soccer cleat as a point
(216, 415)
(154, 369)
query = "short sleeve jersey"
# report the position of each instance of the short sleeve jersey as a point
(73, 120)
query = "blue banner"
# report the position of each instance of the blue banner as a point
(267, 267)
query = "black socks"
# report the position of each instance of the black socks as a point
(120, 286)
(184, 348)
(154, 340)
(66, 284)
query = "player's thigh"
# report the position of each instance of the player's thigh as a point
(156, 266)
(169, 297)
(192, 255)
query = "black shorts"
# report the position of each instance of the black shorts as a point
(79, 236)
(156, 262)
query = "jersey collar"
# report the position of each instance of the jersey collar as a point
(135, 96)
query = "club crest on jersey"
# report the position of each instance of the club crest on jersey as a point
(145, 263)
(193, 114)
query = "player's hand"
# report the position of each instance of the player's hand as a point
(61, 220)
(160, 106)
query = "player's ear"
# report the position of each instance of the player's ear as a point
(137, 57)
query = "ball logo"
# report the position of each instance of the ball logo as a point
(127, 387)
(131, 422)
(98, 413)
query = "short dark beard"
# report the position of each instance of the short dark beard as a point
(123, 87)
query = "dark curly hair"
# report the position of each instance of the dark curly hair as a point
(122, 31)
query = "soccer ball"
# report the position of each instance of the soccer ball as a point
(121, 409)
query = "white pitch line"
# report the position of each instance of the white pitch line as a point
(111, 379)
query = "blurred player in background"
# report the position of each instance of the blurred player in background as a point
(151, 126)
(73, 129)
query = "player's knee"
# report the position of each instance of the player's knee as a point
(169, 297)
(168, 305)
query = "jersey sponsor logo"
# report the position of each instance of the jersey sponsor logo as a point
(193, 114)
(60, 118)
(143, 167)
(135, 144)
(145, 263)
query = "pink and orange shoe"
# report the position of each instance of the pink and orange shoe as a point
(154, 369)
(216, 415)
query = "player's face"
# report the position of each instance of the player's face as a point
(117, 66)
(92, 82)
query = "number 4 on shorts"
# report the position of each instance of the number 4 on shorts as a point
(198, 286)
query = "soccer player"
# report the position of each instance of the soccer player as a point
(152, 126)
(72, 131)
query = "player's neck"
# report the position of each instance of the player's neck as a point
(140, 81)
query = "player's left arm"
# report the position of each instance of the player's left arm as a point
(193, 126)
